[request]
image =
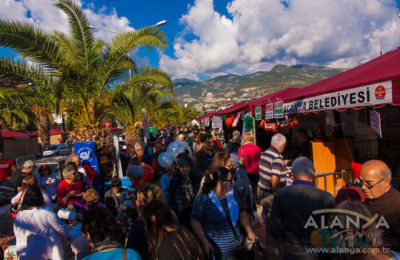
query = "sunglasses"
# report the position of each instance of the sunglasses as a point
(360, 183)
(229, 180)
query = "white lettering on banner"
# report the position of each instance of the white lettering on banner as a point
(374, 94)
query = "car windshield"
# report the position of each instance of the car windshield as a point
(49, 147)
(54, 169)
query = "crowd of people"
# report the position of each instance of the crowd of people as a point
(202, 204)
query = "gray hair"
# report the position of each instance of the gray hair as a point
(278, 139)
(386, 173)
(181, 137)
(139, 143)
(68, 171)
(303, 166)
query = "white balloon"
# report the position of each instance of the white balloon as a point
(165, 160)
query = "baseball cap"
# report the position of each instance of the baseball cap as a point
(27, 164)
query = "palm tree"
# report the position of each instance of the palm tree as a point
(78, 69)
(148, 93)
(13, 114)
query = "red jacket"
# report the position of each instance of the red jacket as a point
(252, 154)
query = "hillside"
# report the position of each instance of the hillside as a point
(237, 88)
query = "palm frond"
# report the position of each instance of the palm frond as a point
(30, 42)
(82, 34)
(125, 42)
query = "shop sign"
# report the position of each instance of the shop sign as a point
(269, 111)
(206, 122)
(258, 115)
(217, 122)
(375, 120)
(278, 109)
(369, 95)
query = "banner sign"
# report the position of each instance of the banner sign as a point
(375, 119)
(258, 114)
(87, 153)
(374, 94)
(278, 109)
(206, 122)
(217, 122)
(236, 119)
(269, 111)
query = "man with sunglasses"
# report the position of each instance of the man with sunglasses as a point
(382, 199)
(18, 175)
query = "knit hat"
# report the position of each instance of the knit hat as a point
(349, 193)
(134, 171)
(184, 160)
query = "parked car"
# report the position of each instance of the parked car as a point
(56, 149)
(56, 163)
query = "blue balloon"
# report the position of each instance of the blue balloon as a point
(165, 160)
(175, 148)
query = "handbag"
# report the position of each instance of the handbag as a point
(240, 251)
(15, 207)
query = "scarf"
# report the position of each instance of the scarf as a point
(233, 208)
(105, 245)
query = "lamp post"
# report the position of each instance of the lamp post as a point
(160, 23)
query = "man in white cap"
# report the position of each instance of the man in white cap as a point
(16, 178)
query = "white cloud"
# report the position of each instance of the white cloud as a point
(262, 33)
(48, 17)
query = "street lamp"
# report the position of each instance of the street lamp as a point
(162, 22)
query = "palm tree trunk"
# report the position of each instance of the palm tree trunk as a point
(132, 136)
(43, 126)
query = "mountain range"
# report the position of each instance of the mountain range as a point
(239, 88)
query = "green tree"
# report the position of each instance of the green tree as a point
(146, 96)
(80, 70)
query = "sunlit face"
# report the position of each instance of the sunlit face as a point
(139, 151)
(76, 160)
(373, 184)
(223, 186)
(71, 179)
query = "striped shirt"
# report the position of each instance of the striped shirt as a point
(215, 225)
(271, 163)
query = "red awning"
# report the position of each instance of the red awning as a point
(7, 134)
(383, 68)
(233, 109)
(206, 115)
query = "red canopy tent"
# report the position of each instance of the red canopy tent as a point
(382, 71)
(271, 98)
(232, 109)
(205, 115)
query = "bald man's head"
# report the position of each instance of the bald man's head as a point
(375, 176)
(76, 159)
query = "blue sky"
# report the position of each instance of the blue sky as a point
(210, 38)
